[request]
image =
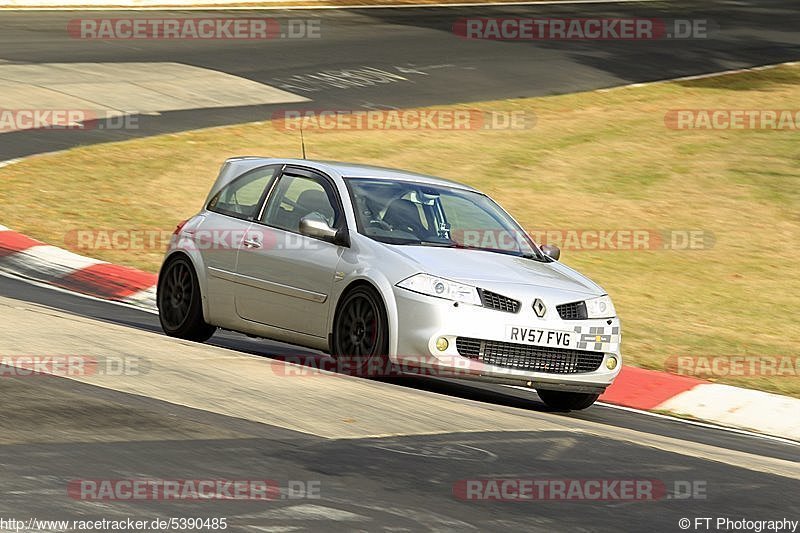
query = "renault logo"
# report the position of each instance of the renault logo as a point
(539, 308)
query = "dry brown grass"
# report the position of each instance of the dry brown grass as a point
(594, 160)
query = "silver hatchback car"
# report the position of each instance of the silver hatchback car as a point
(388, 271)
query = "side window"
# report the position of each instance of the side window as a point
(296, 197)
(241, 198)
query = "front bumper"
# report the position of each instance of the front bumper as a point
(422, 320)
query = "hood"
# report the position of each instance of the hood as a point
(489, 268)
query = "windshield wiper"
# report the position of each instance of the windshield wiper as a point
(525, 255)
(441, 244)
(536, 255)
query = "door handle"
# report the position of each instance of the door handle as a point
(251, 243)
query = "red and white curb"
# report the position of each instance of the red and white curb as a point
(28, 258)
(747, 409)
(635, 388)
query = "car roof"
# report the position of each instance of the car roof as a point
(357, 170)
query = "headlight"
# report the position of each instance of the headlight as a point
(441, 288)
(600, 307)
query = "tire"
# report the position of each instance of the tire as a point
(360, 341)
(567, 401)
(180, 307)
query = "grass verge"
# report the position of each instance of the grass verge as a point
(600, 160)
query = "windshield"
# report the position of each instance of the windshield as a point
(409, 213)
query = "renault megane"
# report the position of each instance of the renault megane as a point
(387, 268)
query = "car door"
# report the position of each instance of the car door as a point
(286, 281)
(224, 228)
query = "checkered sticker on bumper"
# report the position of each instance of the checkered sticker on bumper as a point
(598, 338)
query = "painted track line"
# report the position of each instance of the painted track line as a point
(685, 421)
(706, 425)
(696, 77)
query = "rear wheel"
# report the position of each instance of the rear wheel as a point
(567, 401)
(180, 308)
(360, 334)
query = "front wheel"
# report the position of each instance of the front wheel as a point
(360, 334)
(180, 308)
(567, 401)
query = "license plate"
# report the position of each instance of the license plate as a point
(541, 337)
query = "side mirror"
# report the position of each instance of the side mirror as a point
(315, 225)
(551, 251)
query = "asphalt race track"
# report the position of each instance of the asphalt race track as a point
(416, 44)
(56, 430)
(391, 456)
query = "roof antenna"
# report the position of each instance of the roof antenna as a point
(302, 143)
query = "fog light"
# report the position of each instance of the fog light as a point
(611, 363)
(442, 344)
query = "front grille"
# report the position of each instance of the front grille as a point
(531, 358)
(498, 301)
(572, 311)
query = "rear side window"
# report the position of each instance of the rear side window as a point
(242, 197)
